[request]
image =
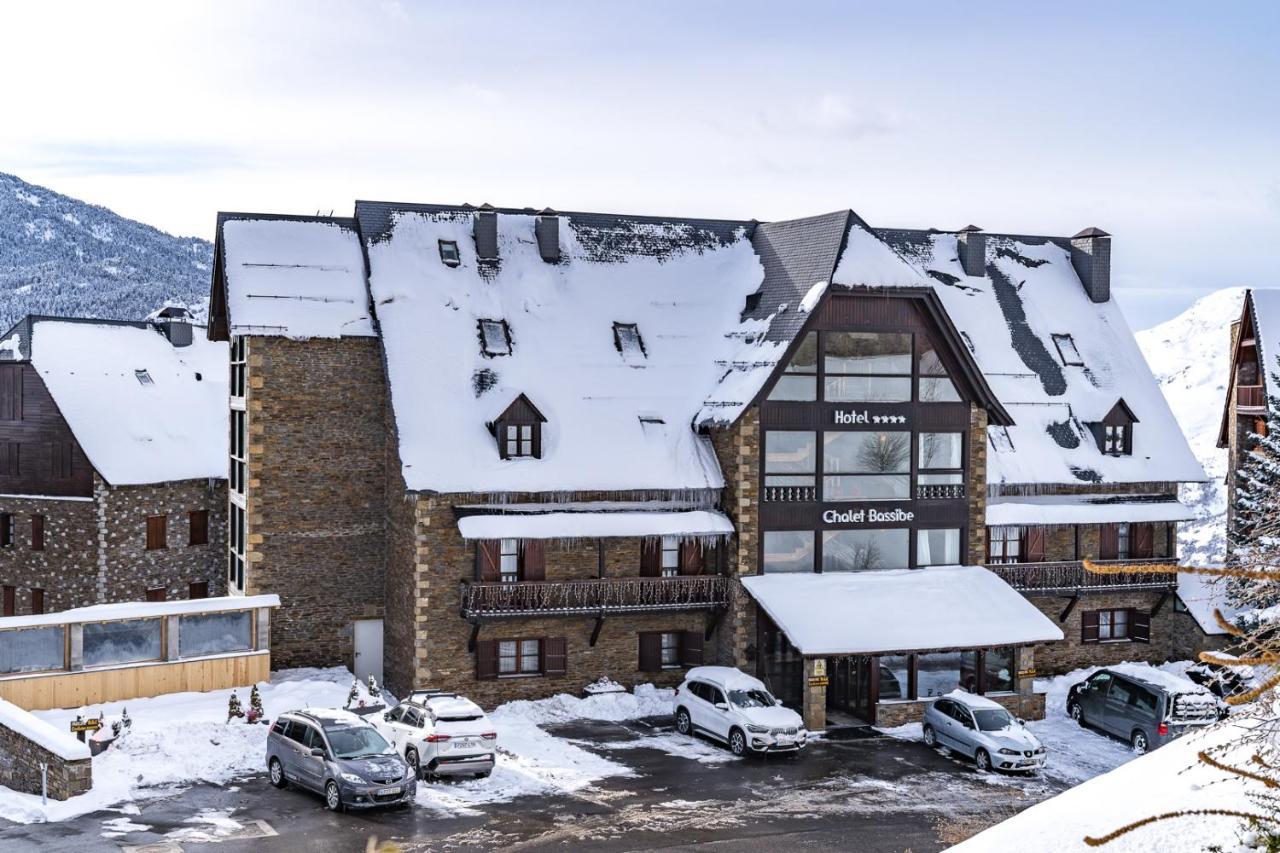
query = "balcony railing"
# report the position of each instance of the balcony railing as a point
(597, 596)
(792, 494)
(1071, 575)
(939, 492)
(1249, 396)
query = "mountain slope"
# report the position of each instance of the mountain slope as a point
(63, 256)
(1190, 358)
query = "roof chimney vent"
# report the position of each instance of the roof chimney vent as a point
(1091, 256)
(972, 244)
(547, 230)
(486, 233)
(174, 322)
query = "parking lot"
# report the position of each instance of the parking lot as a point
(857, 790)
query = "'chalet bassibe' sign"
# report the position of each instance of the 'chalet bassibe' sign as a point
(850, 417)
(867, 516)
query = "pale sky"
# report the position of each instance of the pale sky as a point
(1156, 122)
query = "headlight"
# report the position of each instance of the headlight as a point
(1008, 752)
(354, 779)
(758, 730)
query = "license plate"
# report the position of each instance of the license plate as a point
(1026, 763)
(387, 792)
(785, 739)
(465, 743)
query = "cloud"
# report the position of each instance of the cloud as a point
(833, 115)
(124, 158)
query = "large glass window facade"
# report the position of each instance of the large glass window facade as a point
(788, 551)
(938, 547)
(32, 649)
(867, 367)
(799, 379)
(895, 676)
(107, 643)
(214, 633)
(938, 673)
(864, 550)
(998, 670)
(935, 385)
(790, 464)
(866, 466)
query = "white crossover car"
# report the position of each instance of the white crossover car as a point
(735, 708)
(441, 734)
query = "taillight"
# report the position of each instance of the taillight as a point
(1162, 729)
(436, 738)
(490, 735)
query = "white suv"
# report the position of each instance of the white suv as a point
(733, 707)
(441, 734)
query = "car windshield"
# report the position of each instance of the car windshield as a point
(751, 698)
(993, 719)
(354, 742)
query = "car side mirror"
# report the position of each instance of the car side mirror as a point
(1021, 721)
(387, 717)
(317, 752)
(778, 702)
(721, 706)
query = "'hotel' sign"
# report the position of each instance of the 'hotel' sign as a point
(848, 418)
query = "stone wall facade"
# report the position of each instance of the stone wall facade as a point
(67, 568)
(1169, 639)
(738, 449)
(976, 486)
(1029, 706)
(20, 760)
(316, 494)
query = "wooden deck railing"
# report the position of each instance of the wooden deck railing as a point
(1071, 575)
(594, 596)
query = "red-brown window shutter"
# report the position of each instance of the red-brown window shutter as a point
(487, 557)
(1089, 626)
(650, 557)
(1108, 542)
(198, 589)
(157, 594)
(1143, 540)
(37, 533)
(37, 601)
(199, 524)
(6, 607)
(692, 560)
(1139, 626)
(555, 656)
(156, 534)
(535, 560)
(691, 648)
(486, 659)
(650, 651)
(1034, 551)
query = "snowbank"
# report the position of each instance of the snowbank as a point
(58, 741)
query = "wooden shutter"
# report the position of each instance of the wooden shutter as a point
(691, 648)
(486, 659)
(157, 594)
(650, 651)
(9, 458)
(198, 589)
(37, 601)
(6, 530)
(1143, 540)
(555, 656)
(61, 454)
(1139, 626)
(487, 559)
(651, 557)
(534, 565)
(6, 608)
(692, 560)
(11, 393)
(1108, 542)
(37, 533)
(1033, 549)
(199, 523)
(1089, 626)
(537, 440)
(156, 535)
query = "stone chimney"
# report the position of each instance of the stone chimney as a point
(486, 233)
(547, 230)
(1091, 256)
(972, 244)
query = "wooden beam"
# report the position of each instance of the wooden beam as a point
(1160, 602)
(475, 635)
(595, 632)
(1071, 605)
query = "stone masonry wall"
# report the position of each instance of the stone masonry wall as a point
(1029, 707)
(1168, 633)
(977, 486)
(316, 492)
(738, 450)
(67, 568)
(20, 760)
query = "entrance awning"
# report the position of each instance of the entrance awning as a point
(1085, 509)
(579, 523)
(853, 613)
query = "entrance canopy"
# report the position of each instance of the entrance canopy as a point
(590, 521)
(1085, 509)
(901, 610)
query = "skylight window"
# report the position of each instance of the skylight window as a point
(449, 253)
(1067, 350)
(495, 337)
(626, 337)
(144, 378)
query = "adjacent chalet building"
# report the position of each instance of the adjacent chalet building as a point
(509, 452)
(112, 462)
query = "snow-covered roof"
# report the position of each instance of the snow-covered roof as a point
(140, 610)
(1085, 509)
(592, 524)
(1203, 594)
(1266, 317)
(944, 607)
(296, 278)
(143, 410)
(60, 743)
(615, 419)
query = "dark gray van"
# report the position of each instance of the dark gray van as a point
(1142, 705)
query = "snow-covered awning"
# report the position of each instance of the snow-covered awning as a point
(588, 524)
(1085, 509)
(122, 610)
(901, 610)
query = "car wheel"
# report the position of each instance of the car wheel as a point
(1076, 713)
(737, 742)
(332, 797)
(483, 775)
(930, 737)
(277, 773)
(684, 725)
(1139, 742)
(982, 760)
(411, 756)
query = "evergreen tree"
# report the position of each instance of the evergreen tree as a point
(1254, 537)
(255, 704)
(233, 707)
(355, 692)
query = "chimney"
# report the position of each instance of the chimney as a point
(547, 229)
(973, 250)
(174, 322)
(486, 233)
(178, 332)
(1091, 256)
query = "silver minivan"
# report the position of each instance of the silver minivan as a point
(1145, 706)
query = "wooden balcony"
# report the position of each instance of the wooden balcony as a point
(1070, 576)
(1249, 397)
(593, 596)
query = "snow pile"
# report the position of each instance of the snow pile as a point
(143, 410)
(58, 741)
(646, 701)
(141, 610)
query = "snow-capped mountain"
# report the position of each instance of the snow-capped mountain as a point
(1190, 357)
(63, 256)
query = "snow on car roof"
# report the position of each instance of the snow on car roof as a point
(972, 700)
(1157, 678)
(725, 676)
(334, 715)
(450, 706)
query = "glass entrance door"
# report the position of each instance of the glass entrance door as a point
(849, 689)
(778, 664)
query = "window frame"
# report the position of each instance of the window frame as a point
(197, 527)
(825, 372)
(7, 538)
(911, 687)
(519, 655)
(1077, 360)
(37, 531)
(830, 477)
(1005, 557)
(444, 246)
(144, 377)
(628, 340)
(516, 555)
(482, 327)
(670, 641)
(1110, 614)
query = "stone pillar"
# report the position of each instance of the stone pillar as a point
(815, 694)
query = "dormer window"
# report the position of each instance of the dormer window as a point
(1116, 439)
(518, 430)
(1067, 351)
(495, 338)
(449, 253)
(144, 378)
(519, 439)
(626, 337)
(1114, 433)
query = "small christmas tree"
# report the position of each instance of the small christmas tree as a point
(124, 718)
(355, 692)
(233, 707)
(255, 705)
(373, 687)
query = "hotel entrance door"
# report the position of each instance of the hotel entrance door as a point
(849, 699)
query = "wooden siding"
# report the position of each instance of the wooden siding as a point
(38, 692)
(32, 425)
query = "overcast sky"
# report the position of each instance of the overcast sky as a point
(1156, 122)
